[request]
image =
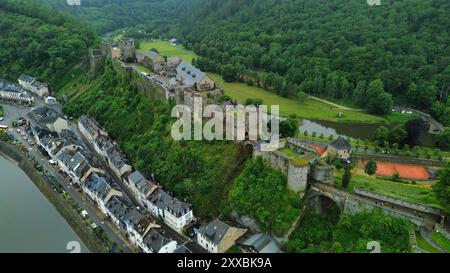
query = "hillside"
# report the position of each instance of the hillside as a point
(331, 49)
(200, 172)
(109, 15)
(37, 41)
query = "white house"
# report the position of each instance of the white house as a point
(14, 93)
(154, 242)
(31, 84)
(175, 213)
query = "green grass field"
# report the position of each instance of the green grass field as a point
(407, 192)
(165, 49)
(441, 240)
(424, 245)
(310, 109)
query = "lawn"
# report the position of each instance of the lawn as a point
(310, 109)
(407, 192)
(289, 152)
(441, 240)
(165, 49)
(424, 245)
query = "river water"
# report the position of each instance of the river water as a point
(28, 221)
(354, 130)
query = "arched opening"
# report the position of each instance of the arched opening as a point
(326, 206)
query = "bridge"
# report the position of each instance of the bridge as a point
(320, 196)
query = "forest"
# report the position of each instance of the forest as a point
(331, 49)
(155, 16)
(36, 41)
(339, 50)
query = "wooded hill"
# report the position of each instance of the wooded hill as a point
(39, 41)
(332, 49)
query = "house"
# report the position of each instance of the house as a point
(104, 146)
(140, 187)
(175, 213)
(260, 243)
(100, 190)
(340, 148)
(154, 242)
(137, 227)
(218, 237)
(118, 161)
(173, 41)
(191, 76)
(48, 140)
(31, 84)
(25, 81)
(154, 61)
(90, 129)
(73, 163)
(49, 118)
(12, 92)
(116, 208)
(40, 89)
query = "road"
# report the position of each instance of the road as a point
(13, 113)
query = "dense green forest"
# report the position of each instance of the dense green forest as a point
(262, 193)
(332, 49)
(37, 41)
(351, 234)
(154, 16)
(345, 50)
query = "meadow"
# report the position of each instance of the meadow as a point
(309, 108)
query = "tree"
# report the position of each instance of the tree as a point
(398, 134)
(442, 187)
(415, 128)
(347, 176)
(396, 177)
(443, 139)
(230, 73)
(381, 134)
(371, 167)
(289, 127)
(378, 101)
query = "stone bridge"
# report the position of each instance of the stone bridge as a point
(320, 196)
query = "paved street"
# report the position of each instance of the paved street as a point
(14, 112)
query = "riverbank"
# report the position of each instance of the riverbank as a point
(70, 215)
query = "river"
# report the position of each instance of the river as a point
(28, 221)
(353, 130)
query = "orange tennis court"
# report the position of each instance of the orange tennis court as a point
(414, 172)
(320, 149)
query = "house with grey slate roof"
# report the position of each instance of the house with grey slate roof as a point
(218, 237)
(49, 118)
(260, 243)
(339, 148)
(100, 190)
(31, 84)
(155, 242)
(116, 208)
(190, 76)
(175, 213)
(12, 92)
